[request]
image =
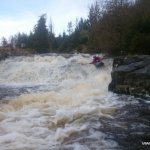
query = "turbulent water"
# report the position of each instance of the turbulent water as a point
(55, 102)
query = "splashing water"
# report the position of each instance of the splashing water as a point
(56, 103)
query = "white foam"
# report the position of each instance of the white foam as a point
(72, 93)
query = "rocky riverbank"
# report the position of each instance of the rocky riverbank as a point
(131, 75)
(7, 52)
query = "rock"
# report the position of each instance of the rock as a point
(131, 75)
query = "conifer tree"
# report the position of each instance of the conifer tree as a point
(41, 41)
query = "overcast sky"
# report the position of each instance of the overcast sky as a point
(22, 15)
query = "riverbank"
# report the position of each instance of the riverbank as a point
(6, 52)
(131, 75)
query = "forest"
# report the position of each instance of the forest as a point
(113, 27)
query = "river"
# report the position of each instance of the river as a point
(61, 102)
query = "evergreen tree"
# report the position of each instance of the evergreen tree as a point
(81, 34)
(70, 27)
(94, 18)
(4, 42)
(51, 36)
(40, 35)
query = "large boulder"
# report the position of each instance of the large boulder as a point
(131, 75)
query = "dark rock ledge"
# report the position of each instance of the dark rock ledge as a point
(131, 75)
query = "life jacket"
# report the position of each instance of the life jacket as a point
(96, 59)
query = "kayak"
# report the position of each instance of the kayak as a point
(99, 64)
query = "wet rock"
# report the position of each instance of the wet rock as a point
(10, 92)
(130, 126)
(13, 91)
(131, 75)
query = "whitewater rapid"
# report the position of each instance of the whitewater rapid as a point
(56, 103)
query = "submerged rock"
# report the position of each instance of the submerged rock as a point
(131, 75)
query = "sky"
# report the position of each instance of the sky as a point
(21, 15)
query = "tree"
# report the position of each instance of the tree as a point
(21, 40)
(109, 25)
(4, 42)
(80, 36)
(139, 35)
(70, 28)
(40, 35)
(51, 35)
(94, 18)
